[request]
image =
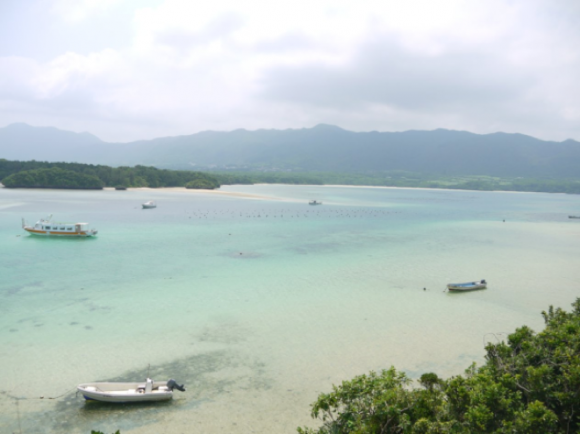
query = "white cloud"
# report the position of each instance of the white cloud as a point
(16, 74)
(389, 65)
(79, 10)
(71, 71)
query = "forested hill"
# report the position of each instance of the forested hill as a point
(322, 148)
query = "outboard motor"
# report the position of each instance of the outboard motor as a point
(172, 384)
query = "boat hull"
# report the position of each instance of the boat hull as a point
(468, 286)
(125, 392)
(48, 228)
(43, 233)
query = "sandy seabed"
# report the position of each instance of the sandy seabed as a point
(257, 337)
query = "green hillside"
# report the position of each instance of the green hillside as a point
(324, 148)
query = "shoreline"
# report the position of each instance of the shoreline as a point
(200, 191)
(256, 196)
(431, 189)
(262, 197)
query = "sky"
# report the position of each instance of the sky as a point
(128, 70)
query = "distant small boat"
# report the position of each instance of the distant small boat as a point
(467, 286)
(130, 392)
(314, 202)
(148, 205)
(47, 227)
(574, 216)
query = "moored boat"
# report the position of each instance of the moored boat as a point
(48, 227)
(129, 392)
(467, 286)
(314, 202)
(149, 205)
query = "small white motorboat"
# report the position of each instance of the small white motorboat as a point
(467, 286)
(130, 392)
(48, 227)
(149, 205)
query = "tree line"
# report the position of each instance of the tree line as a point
(40, 174)
(52, 178)
(145, 176)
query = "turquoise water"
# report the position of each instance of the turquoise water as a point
(257, 301)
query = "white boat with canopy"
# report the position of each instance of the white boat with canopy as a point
(48, 227)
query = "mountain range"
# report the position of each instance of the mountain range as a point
(321, 148)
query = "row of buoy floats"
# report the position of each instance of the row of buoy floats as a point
(289, 213)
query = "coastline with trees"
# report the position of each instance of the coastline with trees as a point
(37, 174)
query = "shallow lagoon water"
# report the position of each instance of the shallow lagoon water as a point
(257, 301)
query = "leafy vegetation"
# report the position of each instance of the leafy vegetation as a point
(298, 178)
(38, 174)
(529, 384)
(52, 178)
(142, 176)
(202, 181)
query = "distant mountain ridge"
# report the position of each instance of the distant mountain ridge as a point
(321, 148)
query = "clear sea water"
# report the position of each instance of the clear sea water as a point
(257, 301)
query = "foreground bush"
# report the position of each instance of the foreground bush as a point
(529, 384)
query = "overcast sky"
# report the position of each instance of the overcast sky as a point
(138, 69)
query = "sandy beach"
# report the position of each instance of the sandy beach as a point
(204, 192)
(334, 186)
